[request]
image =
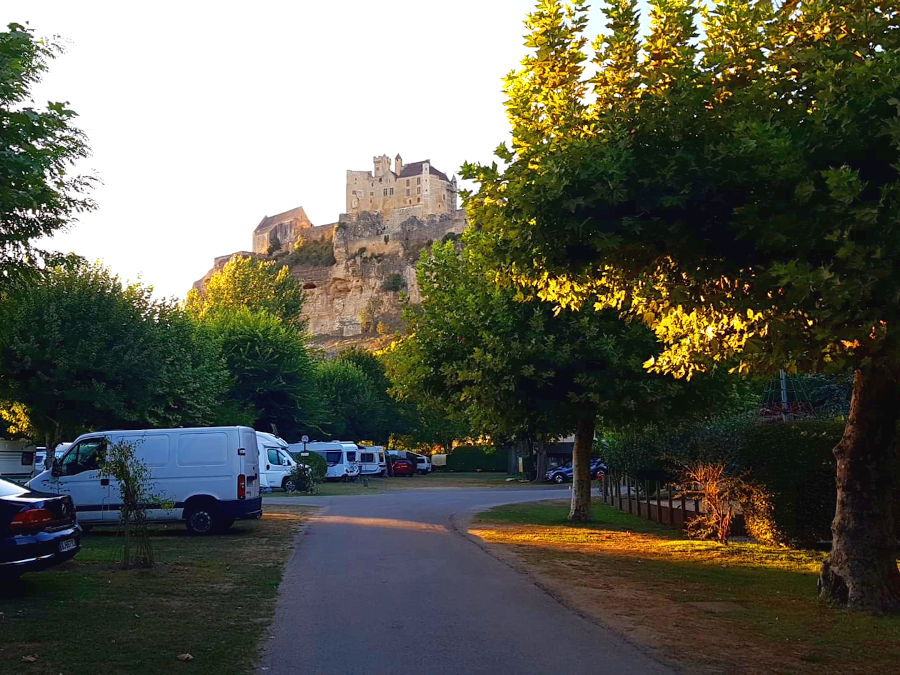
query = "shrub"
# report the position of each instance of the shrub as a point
(795, 463)
(315, 253)
(476, 458)
(316, 462)
(393, 283)
(304, 479)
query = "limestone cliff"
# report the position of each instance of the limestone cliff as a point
(354, 272)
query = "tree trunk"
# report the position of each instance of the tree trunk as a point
(540, 460)
(861, 570)
(581, 469)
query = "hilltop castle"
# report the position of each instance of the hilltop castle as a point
(353, 270)
(416, 190)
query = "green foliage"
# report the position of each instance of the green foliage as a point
(134, 480)
(317, 464)
(313, 253)
(38, 147)
(794, 461)
(350, 399)
(476, 458)
(393, 283)
(248, 283)
(82, 351)
(306, 479)
(272, 375)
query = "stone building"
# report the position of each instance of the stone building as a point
(281, 231)
(410, 190)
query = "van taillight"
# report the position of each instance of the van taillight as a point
(242, 486)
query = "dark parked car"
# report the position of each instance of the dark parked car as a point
(37, 530)
(402, 467)
(563, 474)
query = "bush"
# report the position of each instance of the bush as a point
(393, 283)
(304, 479)
(316, 462)
(317, 253)
(795, 463)
(476, 458)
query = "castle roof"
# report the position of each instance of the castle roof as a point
(270, 221)
(415, 169)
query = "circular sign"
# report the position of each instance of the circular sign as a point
(304, 439)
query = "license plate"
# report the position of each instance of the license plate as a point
(66, 545)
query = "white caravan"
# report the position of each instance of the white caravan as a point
(276, 466)
(16, 459)
(423, 464)
(372, 461)
(341, 458)
(208, 477)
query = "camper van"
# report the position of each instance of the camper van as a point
(276, 466)
(341, 458)
(372, 461)
(208, 477)
(16, 459)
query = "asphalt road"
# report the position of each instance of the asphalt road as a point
(384, 584)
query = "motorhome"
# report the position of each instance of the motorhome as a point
(16, 459)
(276, 466)
(208, 477)
(341, 457)
(372, 461)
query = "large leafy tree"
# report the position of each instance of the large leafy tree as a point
(520, 369)
(271, 372)
(249, 283)
(739, 193)
(39, 195)
(79, 350)
(353, 404)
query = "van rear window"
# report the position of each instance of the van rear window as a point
(202, 449)
(333, 457)
(351, 456)
(367, 457)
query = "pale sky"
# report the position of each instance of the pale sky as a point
(203, 117)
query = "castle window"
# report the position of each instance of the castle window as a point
(418, 199)
(392, 191)
(418, 180)
(407, 190)
(418, 190)
(407, 181)
(385, 193)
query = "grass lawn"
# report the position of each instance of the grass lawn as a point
(433, 480)
(701, 606)
(211, 597)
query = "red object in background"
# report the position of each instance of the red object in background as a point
(403, 467)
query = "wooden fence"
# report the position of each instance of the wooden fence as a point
(655, 500)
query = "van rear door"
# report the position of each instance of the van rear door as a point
(249, 461)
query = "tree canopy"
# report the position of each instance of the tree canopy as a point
(249, 283)
(731, 180)
(79, 350)
(39, 194)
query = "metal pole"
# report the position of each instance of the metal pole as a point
(784, 395)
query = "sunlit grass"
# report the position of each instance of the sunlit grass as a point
(744, 607)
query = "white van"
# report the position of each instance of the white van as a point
(337, 455)
(423, 464)
(276, 466)
(372, 461)
(209, 476)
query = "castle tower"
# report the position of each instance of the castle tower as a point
(382, 165)
(398, 164)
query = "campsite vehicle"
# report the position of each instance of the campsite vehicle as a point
(401, 466)
(372, 461)
(40, 457)
(563, 474)
(276, 465)
(37, 530)
(338, 457)
(16, 459)
(423, 464)
(208, 477)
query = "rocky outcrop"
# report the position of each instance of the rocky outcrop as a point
(375, 262)
(359, 296)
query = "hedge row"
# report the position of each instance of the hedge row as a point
(476, 458)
